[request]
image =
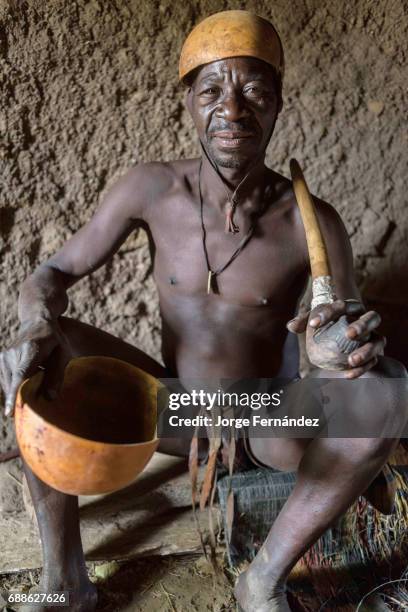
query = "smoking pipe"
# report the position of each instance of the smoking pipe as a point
(327, 346)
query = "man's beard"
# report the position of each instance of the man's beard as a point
(235, 159)
(230, 162)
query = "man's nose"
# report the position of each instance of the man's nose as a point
(232, 107)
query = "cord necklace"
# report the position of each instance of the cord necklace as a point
(212, 274)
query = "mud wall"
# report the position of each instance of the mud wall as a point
(89, 88)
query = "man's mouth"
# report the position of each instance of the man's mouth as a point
(232, 139)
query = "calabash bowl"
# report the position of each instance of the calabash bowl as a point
(98, 435)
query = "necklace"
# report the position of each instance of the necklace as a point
(230, 226)
(212, 274)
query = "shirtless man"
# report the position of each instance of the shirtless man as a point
(236, 330)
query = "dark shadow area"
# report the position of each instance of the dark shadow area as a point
(394, 325)
(7, 215)
(325, 588)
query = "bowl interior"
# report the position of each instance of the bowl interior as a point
(102, 399)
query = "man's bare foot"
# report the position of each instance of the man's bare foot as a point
(81, 599)
(255, 591)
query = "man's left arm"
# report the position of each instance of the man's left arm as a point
(364, 327)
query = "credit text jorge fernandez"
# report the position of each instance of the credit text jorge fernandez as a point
(221, 399)
(238, 423)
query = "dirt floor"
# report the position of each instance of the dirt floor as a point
(184, 584)
(167, 584)
(166, 575)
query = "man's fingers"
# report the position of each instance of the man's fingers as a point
(25, 356)
(364, 325)
(299, 323)
(5, 374)
(356, 372)
(328, 312)
(22, 361)
(17, 378)
(11, 379)
(354, 308)
(368, 351)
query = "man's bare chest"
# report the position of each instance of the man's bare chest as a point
(270, 268)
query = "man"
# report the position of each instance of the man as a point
(230, 266)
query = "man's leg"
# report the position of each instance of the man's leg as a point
(57, 513)
(332, 473)
(63, 560)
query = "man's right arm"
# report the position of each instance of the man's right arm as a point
(43, 296)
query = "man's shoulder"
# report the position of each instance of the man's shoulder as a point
(283, 195)
(325, 211)
(329, 219)
(328, 215)
(149, 174)
(161, 176)
(182, 171)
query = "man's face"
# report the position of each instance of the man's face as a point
(234, 104)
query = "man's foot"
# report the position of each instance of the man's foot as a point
(81, 599)
(256, 592)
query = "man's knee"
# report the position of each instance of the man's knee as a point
(394, 396)
(385, 406)
(85, 340)
(70, 326)
(282, 454)
(389, 368)
(67, 323)
(373, 405)
(71, 330)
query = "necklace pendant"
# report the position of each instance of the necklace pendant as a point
(209, 281)
(212, 285)
(230, 226)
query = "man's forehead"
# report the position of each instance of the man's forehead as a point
(246, 66)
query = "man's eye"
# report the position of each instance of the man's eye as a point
(253, 90)
(210, 91)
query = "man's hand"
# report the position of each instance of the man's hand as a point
(363, 329)
(32, 349)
